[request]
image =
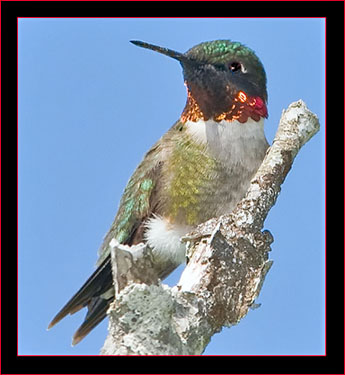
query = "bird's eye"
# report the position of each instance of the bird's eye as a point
(235, 66)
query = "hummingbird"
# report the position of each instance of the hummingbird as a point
(199, 169)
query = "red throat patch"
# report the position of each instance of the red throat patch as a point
(242, 108)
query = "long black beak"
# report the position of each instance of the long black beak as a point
(182, 58)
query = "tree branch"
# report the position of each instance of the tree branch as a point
(227, 264)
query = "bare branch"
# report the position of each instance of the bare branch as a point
(227, 264)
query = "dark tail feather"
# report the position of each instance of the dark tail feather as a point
(97, 311)
(98, 283)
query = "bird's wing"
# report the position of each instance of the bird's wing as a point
(139, 201)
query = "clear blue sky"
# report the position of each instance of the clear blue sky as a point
(91, 104)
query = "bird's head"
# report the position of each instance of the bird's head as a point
(225, 80)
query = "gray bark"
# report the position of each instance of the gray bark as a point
(228, 259)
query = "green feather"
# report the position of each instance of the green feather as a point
(134, 204)
(192, 168)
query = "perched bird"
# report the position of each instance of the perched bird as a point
(201, 168)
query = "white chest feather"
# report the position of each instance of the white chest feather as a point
(230, 142)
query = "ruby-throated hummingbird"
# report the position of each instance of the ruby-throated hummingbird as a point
(199, 169)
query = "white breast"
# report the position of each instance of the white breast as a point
(230, 142)
(239, 148)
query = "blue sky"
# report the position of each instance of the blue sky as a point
(91, 104)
